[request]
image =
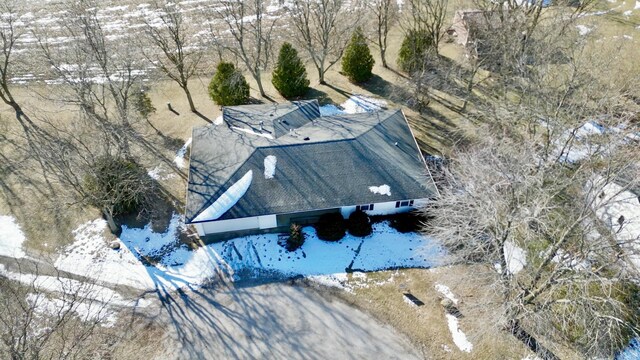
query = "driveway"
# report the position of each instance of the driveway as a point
(273, 321)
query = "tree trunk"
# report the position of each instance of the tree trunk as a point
(259, 81)
(321, 76)
(384, 59)
(192, 107)
(115, 228)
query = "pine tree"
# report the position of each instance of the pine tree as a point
(357, 61)
(143, 104)
(228, 86)
(413, 50)
(290, 75)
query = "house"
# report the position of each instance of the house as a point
(464, 21)
(270, 165)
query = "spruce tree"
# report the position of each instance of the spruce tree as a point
(413, 50)
(290, 75)
(357, 61)
(228, 86)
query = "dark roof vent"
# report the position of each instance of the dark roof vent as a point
(307, 139)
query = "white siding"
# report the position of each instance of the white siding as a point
(200, 229)
(267, 221)
(385, 208)
(219, 226)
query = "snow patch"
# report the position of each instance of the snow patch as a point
(361, 104)
(159, 173)
(252, 132)
(515, 257)
(637, 7)
(179, 159)
(85, 311)
(270, 166)
(583, 29)
(619, 202)
(330, 110)
(459, 338)
(382, 190)
(11, 237)
(227, 200)
(446, 292)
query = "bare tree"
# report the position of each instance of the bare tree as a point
(179, 55)
(386, 15)
(98, 75)
(560, 273)
(427, 18)
(323, 28)
(60, 324)
(247, 34)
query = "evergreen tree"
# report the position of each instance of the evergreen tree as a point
(143, 104)
(228, 86)
(413, 50)
(290, 75)
(357, 61)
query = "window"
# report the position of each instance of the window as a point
(404, 203)
(364, 207)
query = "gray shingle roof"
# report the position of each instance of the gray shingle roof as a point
(343, 156)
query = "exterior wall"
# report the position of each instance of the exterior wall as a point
(246, 225)
(385, 208)
(257, 222)
(267, 222)
(230, 225)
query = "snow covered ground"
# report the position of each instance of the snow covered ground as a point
(620, 202)
(11, 237)
(176, 266)
(353, 105)
(459, 337)
(180, 155)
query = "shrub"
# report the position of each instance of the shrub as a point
(290, 75)
(142, 104)
(413, 50)
(357, 61)
(116, 186)
(407, 222)
(296, 237)
(331, 227)
(228, 86)
(359, 224)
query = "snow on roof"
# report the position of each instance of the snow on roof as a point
(226, 200)
(270, 166)
(11, 237)
(250, 131)
(382, 189)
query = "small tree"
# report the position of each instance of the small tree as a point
(290, 75)
(357, 61)
(330, 227)
(116, 186)
(359, 224)
(143, 104)
(413, 50)
(296, 237)
(228, 86)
